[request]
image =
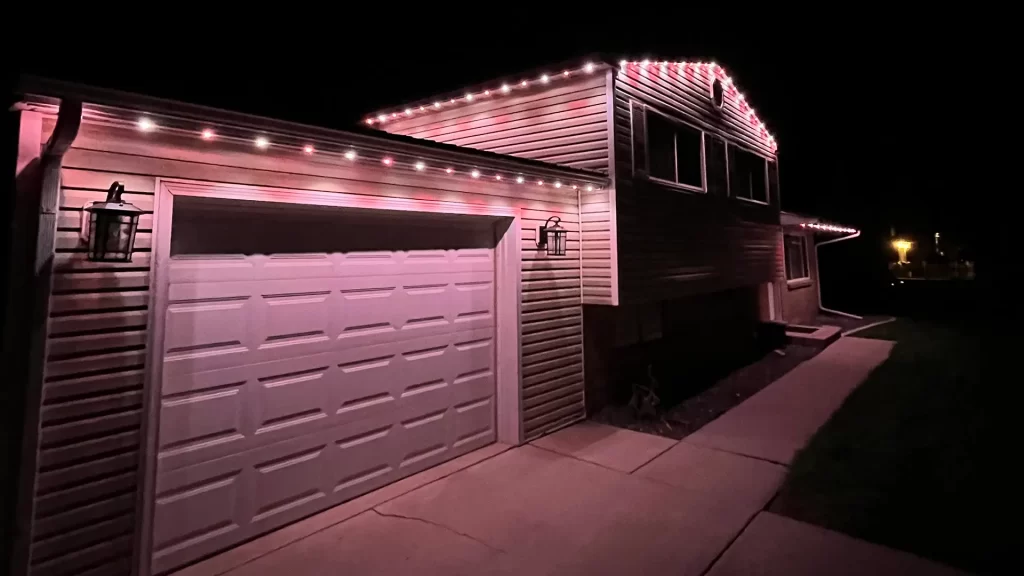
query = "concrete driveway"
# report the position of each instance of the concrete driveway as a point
(592, 499)
(534, 510)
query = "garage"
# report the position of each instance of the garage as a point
(304, 368)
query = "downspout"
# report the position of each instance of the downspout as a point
(818, 283)
(39, 243)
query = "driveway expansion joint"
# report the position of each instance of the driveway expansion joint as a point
(441, 526)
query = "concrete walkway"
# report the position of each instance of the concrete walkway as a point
(778, 421)
(589, 499)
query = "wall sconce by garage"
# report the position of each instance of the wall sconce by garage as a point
(552, 237)
(112, 227)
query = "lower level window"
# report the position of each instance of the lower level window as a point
(796, 258)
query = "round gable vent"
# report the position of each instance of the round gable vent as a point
(717, 93)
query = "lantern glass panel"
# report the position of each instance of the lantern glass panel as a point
(113, 236)
(556, 242)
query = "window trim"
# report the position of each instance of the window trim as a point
(801, 280)
(767, 188)
(703, 188)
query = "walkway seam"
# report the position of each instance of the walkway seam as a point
(556, 453)
(872, 325)
(731, 542)
(699, 445)
(438, 525)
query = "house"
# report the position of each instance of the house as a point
(687, 243)
(310, 314)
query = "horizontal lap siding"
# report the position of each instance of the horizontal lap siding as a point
(89, 461)
(565, 124)
(673, 243)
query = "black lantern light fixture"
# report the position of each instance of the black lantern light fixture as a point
(552, 237)
(112, 226)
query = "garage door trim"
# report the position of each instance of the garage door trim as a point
(507, 277)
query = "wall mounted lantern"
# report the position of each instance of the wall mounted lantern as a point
(112, 227)
(552, 237)
(902, 247)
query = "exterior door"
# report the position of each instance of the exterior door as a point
(295, 380)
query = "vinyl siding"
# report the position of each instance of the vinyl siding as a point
(674, 243)
(90, 462)
(565, 124)
(800, 299)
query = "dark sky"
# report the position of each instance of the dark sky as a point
(863, 118)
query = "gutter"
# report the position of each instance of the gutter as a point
(31, 297)
(818, 283)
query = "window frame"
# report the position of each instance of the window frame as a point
(767, 187)
(703, 188)
(801, 280)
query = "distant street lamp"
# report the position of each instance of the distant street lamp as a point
(902, 247)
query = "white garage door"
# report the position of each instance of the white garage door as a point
(292, 382)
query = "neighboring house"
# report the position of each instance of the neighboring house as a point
(310, 314)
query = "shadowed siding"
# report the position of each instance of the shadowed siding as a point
(565, 124)
(674, 243)
(90, 461)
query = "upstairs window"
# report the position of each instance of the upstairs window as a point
(747, 175)
(796, 258)
(717, 168)
(674, 151)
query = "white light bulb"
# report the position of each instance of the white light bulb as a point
(505, 88)
(387, 161)
(565, 73)
(540, 182)
(623, 63)
(408, 111)
(208, 134)
(145, 124)
(588, 67)
(523, 83)
(487, 92)
(449, 170)
(437, 104)
(369, 120)
(382, 118)
(544, 78)
(350, 155)
(420, 166)
(645, 63)
(262, 143)
(520, 180)
(308, 149)
(497, 177)
(558, 184)
(475, 173)
(590, 188)
(422, 108)
(469, 97)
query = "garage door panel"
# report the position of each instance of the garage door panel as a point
(473, 423)
(197, 508)
(362, 457)
(425, 436)
(203, 425)
(188, 269)
(292, 403)
(290, 479)
(295, 266)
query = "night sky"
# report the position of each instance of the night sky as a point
(865, 119)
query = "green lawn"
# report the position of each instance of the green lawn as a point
(900, 463)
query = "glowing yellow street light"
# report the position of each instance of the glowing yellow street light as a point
(902, 247)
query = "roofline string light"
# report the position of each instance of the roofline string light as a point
(715, 71)
(829, 228)
(468, 97)
(262, 142)
(664, 66)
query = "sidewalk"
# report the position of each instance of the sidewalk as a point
(592, 499)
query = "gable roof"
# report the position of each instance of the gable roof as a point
(557, 73)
